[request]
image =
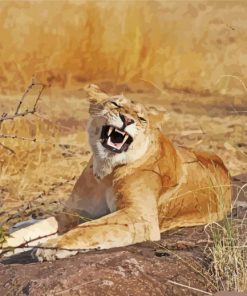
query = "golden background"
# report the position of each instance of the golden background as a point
(185, 45)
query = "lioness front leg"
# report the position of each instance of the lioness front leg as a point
(136, 222)
(21, 240)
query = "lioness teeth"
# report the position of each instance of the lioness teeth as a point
(115, 139)
(125, 138)
(110, 131)
(120, 132)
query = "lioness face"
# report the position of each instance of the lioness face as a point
(118, 126)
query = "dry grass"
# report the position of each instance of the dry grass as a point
(180, 44)
(40, 164)
(228, 251)
(229, 255)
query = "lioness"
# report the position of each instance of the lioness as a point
(136, 185)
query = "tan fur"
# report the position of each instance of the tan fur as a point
(151, 188)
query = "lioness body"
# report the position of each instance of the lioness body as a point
(137, 184)
(186, 186)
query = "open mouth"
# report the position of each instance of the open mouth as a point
(114, 139)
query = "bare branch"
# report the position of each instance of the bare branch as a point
(7, 148)
(189, 287)
(62, 146)
(26, 245)
(27, 210)
(17, 113)
(23, 97)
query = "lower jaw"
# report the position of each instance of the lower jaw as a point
(124, 148)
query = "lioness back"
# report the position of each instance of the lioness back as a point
(199, 194)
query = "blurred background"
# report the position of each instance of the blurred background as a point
(187, 58)
(181, 45)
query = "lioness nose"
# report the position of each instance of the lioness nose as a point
(126, 120)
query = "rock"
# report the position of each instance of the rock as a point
(133, 270)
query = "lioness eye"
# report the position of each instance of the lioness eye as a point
(142, 119)
(115, 104)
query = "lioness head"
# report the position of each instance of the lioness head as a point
(118, 128)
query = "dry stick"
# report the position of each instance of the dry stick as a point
(3, 136)
(238, 111)
(243, 84)
(7, 148)
(188, 287)
(235, 77)
(23, 97)
(24, 209)
(155, 86)
(25, 245)
(45, 118)
(5, 116)
(35, 140)
(75, 287)
(164, 92)
(39, 96)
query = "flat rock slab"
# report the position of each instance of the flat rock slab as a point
(142, 269)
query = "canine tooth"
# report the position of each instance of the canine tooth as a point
(110, 131)
(125, 138)
(120, 132)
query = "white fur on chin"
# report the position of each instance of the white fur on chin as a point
(104, 161)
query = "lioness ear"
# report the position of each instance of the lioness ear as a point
(157, 117)
(95, 94)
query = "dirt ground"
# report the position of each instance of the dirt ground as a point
(40, 166)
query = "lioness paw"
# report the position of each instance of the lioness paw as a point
(48, 254)
(51, 251)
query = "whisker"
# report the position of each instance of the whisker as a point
(95, 110)
(98, 115)
(96, 107)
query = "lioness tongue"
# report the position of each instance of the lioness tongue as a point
(117, 145)
(114, 145)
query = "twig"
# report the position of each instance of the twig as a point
(238, 111)
(45, 118)
(17, 113)
(41, 195)
(35, 140)
(26, 244)
(14, 137)
(189, 287)
(162, 91)
(75, 287)
(23, 97)
(5, 116)
(235, 77)
(7, 148)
